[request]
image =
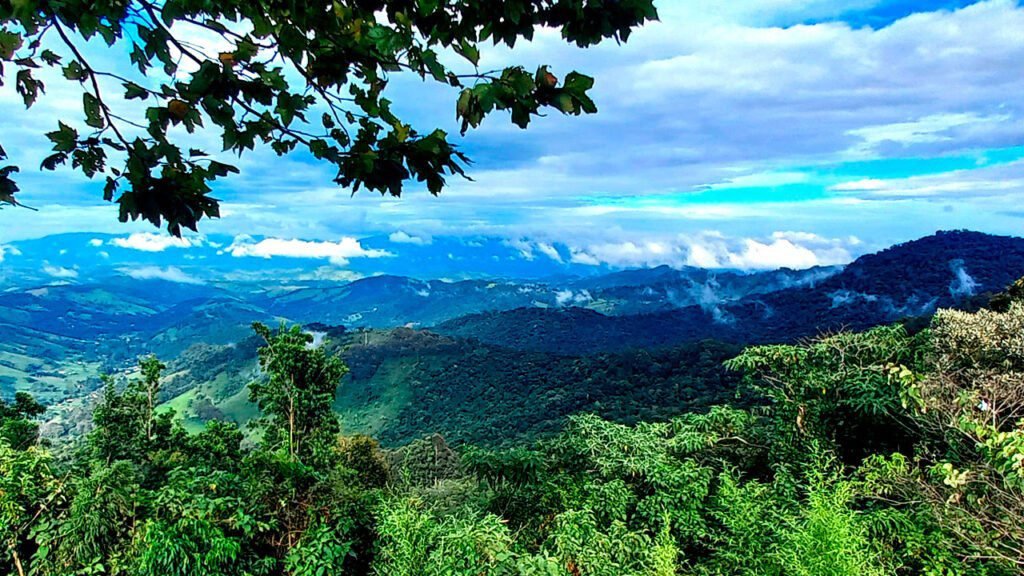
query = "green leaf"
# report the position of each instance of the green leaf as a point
(50, 57)
(578, 83)
(428, 6)
(437, 71)
(65, 138)
(133, 91)
(469, 52)
(27, 86)
(53, 160)
(75, 71)
(9, 44)
(564, 102)
(219, 169)
(93, 113)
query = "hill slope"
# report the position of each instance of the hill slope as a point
(907, 280)
(406, 383)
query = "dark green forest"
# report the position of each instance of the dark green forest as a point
(874, 452)
(404, 384)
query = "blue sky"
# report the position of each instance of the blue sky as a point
(759, 134)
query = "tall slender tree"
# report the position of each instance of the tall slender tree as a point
(297, 392)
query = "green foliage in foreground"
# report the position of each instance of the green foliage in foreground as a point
(878, 453)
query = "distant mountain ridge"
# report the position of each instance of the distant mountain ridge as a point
(909, 279)
(58, 337)
(535, 365)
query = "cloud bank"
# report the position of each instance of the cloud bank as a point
(153, 242)
(337, 253)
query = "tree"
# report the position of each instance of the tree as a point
(973, 401)
(151, 369)
(297, 393)
(127, 426)
(311, 76)
(27, 486)
(16, 425)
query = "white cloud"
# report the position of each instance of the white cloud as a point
(337, 253)
(401, 237)
(581, 257)
(329, 273)
(59, 271)
(170, 274)
(701, 257)
(763, 179)
(152, 242)
(963, 283)
(788, 249)
(7, 249)
(570, 298)
(524, 246)
(96, 242)
(1000, 181)
(550, 251)
(781, 253)
(633, 254)
(925, 130)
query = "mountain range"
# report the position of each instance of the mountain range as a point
(60, 334)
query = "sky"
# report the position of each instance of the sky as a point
(758, 134)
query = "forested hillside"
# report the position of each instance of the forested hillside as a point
(876, 452)
(403, 384)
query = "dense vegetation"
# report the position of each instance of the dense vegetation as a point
(404, 383)
(878, 452)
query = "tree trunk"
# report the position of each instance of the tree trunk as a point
(149, 419)
(17, 562)
(291, 426)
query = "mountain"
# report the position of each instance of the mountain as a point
(59, 335)
(386, 301)
(907, 280)
(734, 281)
(405, 383)
(946, 265)
(663, 288)
(216, 320)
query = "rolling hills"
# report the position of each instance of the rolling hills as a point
(472, 356)
(905, 281)
(405, 383)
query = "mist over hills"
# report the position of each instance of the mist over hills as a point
(545, 334)
(907, 280)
